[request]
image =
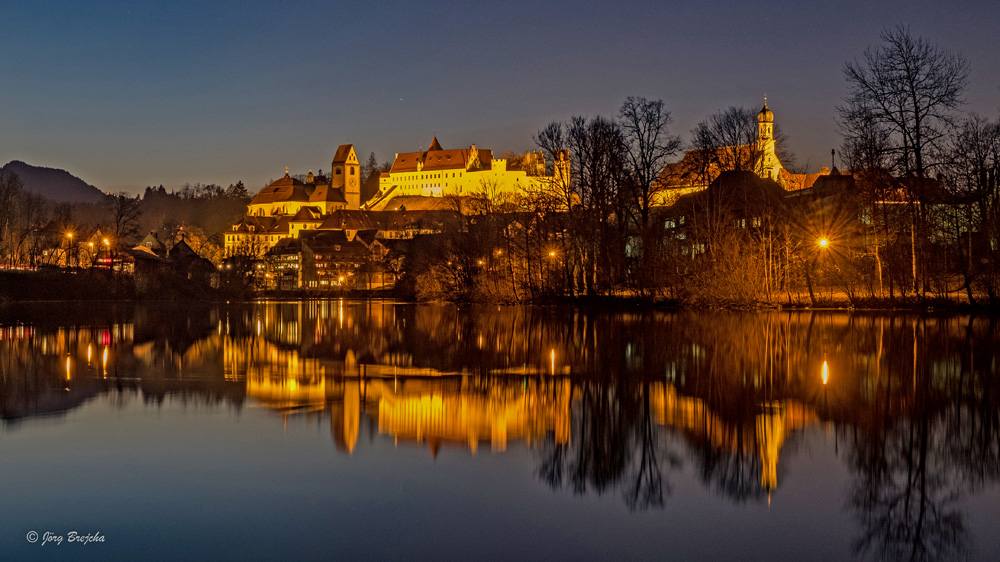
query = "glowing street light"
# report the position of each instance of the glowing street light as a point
(69, 246)
(823, 242)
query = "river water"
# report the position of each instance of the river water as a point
(385, 431)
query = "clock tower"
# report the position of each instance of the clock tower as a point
(345, 175)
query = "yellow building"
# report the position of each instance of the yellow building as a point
(417, 178)
(288, 195)
(418, 182)
(289, 205)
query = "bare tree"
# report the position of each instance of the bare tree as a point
(648, 145)
(910, 86)
(973, 176)
(124, 215)
(866, 150)
(731, 139)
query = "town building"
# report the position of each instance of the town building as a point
(421, 180)
(342, 190)
(698, 168)
(418, 195)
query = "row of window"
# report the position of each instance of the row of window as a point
(436, 176)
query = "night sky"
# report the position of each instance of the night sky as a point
(130, 94)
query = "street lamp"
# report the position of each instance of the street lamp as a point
(69, 250)
(823, 244)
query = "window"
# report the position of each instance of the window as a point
(352, 171)
(337, 171)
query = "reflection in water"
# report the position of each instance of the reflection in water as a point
(609, 402)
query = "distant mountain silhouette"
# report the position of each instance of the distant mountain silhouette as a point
(54, 184)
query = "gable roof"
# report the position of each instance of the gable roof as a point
(795, 182)
(261, 225)
(327, 194)
(436, 158)
(343, 153)
(307, 214)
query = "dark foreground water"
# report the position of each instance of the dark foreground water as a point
(382, 431)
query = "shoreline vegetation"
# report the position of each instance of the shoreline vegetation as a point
(100, 285)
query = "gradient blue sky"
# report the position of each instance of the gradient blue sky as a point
(129, 94)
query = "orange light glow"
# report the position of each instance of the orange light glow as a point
(826, 372)
(823, 242)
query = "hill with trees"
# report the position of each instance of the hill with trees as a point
(54, 184)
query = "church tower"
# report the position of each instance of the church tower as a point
(770, 168)
(345, 175)
(765, 123)
(561, 168)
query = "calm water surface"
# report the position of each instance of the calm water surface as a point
(385, 431)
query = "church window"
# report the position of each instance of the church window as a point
(352, 171)
(337, 171)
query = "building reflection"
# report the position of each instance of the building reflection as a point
(775, 422)
(606, 401)
(436, 412)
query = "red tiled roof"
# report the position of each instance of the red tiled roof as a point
(795, 182)
(690, 171)
(439, 159)
(327, 194)
(285, 189)
(343, 152)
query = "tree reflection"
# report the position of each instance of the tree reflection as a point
(627, 399)
(931, 438)
(617, 446)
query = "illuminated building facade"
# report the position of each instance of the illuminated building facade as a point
(421, 179)
(411, 198)
(696, 170)
(289, 205)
